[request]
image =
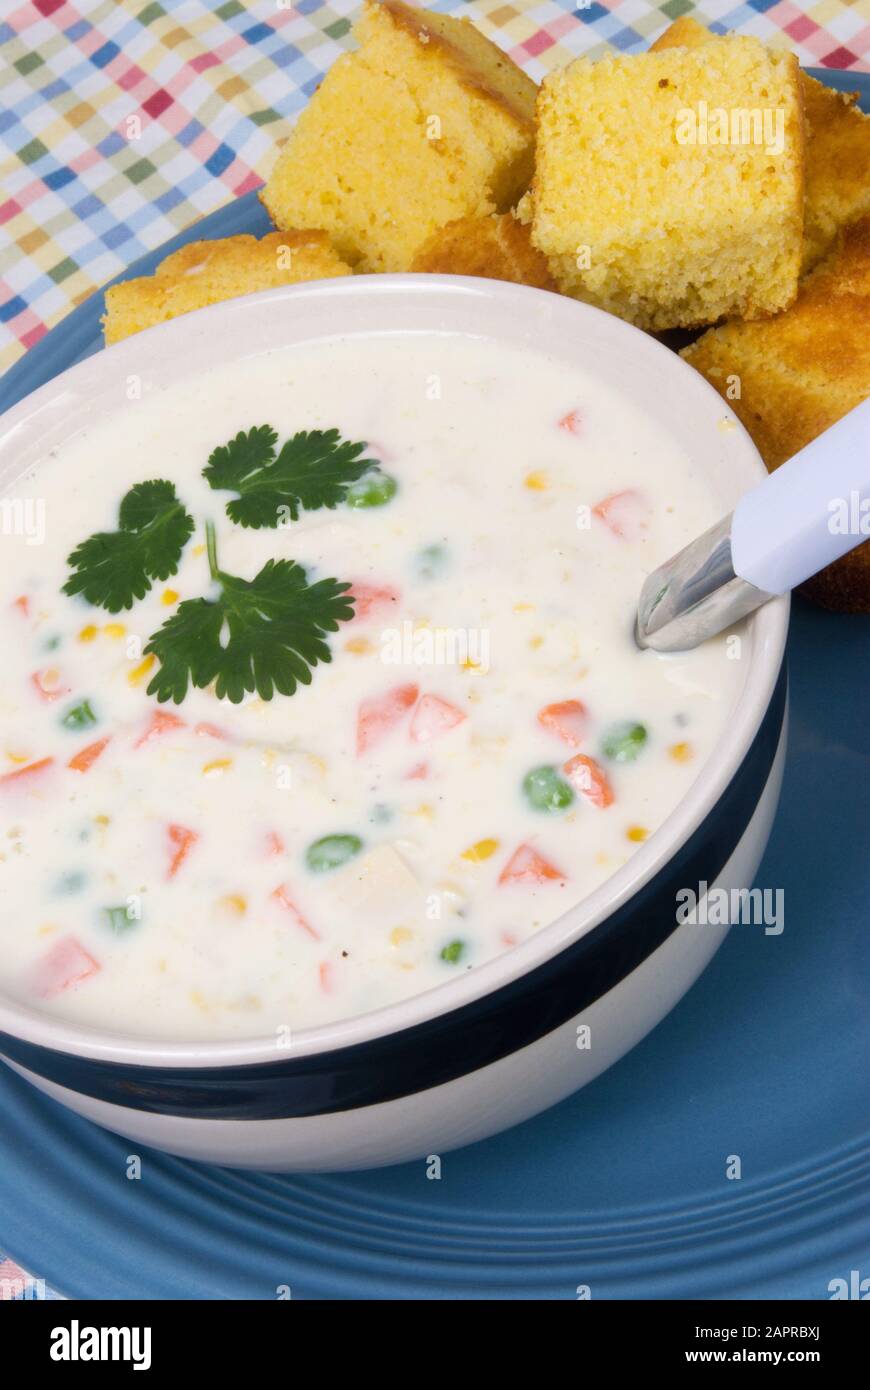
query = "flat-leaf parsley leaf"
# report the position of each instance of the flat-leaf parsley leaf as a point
(263, 634)
(115, 567)
(313, 469)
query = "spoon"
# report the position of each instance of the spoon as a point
(805, 515)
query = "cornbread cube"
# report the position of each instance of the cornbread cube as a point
(427, 122)
(497, 247)
(206, 272)
(662, 190)
(837, 151)
(798, 374)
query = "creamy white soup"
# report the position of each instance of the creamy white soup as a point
(473, 744)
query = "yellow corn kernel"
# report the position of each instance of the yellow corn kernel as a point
(681, 752)
(216, 767)
(17, 757)
(114, 630)
(524, 607)
(87, 634)
(234, 903)
(198, 550)
(477, 853)
(47, 929)
(424, 811)
(637, 833)
(358, 645)
(169, 596)
(536, 642)
(537, 481)
(103, 820)
(399, 935)
(138, 674)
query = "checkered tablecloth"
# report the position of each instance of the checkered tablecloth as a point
(124, 121)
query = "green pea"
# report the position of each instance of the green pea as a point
(381, 813)
(51, 644)
(119, 919)
(374, 490)
(331, 851)
(624, 742)
(545, 790)
(453, 953)
(431, 561)
(79, 717)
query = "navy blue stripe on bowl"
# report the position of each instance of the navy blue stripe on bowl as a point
(463, 1040)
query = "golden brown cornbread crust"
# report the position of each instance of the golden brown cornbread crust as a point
(206, 272)
(838, 165)
(685, 32)
(497, 247)
(801, 372)
(419, 22)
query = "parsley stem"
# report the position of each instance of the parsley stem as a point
(211, 547)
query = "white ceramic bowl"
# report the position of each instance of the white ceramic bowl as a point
(501, 1042)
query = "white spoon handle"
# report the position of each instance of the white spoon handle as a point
(809, 512)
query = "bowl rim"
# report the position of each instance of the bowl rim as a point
(767, 628)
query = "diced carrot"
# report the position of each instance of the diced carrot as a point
(29, 771)
(572, 423)
(274, 843)
(86, 757)
(66, 964)
(282, 895)
(325, 972)
(567, 719)
(434, 717)
(588, 778)
(161, 722)
(22, 603)
(379, 715)
(48, 684)
(369, 598)
(526, 865)
(206, 730)
(625, 514)
(181, 842)
(508, 938)
(418, 772)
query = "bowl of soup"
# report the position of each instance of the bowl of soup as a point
(342, 820)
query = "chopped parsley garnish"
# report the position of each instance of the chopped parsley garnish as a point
(262, 634)
(313, 469)
(115, 567)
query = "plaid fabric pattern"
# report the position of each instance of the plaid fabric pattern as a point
(124, 121)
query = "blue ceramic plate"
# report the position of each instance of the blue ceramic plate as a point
(623, 1187)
